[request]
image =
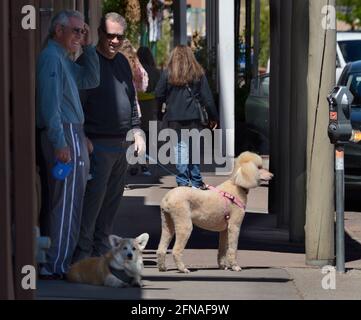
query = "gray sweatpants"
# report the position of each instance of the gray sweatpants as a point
(66, 199)
(102, 200)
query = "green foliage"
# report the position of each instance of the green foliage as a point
(351, 12)
(264, 34)
(163, 45)
(114, 6)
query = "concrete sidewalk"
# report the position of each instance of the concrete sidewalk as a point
(273, 268)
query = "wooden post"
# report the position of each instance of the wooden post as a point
(23, 143)
(80, 5)
(320, 161)
(95, 13)
(46, 12)
(6, 266)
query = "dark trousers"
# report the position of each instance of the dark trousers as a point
(62, 220)
(102, 201)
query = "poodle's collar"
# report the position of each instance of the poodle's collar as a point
(228, 198)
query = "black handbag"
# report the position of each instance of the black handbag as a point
(203, 114)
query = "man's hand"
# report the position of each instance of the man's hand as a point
(90, 146)
(139, 144)
(63, 155)
(87, 39)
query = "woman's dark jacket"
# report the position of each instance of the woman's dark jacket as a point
(180, 103)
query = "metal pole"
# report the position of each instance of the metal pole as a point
(340, 198)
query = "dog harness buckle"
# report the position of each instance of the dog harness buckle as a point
(228, 198)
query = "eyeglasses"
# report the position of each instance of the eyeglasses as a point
(111, 36)
(77, 31)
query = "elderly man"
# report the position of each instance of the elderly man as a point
(60, 116)
(110, 113)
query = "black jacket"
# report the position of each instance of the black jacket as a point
(180, 103)
(110, 109)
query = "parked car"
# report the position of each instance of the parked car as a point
(351, 77)
(257, 113)
(348, 49)
(257, 117)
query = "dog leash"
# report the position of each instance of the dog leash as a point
(121, 149)
(167, 170)
(228, 198)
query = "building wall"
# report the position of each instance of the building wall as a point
(197, 3)
(18, 199)
(196, 17)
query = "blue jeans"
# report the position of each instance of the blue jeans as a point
(188, 173)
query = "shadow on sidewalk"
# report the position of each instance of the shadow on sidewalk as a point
(166, 278)
(352, 249)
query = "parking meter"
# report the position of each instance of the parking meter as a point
(340, 128)
(340, 132)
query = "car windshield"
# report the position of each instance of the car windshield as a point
(354, 83)
(351, 50)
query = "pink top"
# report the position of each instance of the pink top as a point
(141, 79)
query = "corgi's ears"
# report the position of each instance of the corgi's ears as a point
(114, 240)
(142, 240)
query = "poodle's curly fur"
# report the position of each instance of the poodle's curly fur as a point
(182, 207)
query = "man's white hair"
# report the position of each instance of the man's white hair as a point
(114, 17)
(62, 18)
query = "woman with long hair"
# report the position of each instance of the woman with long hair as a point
(180, 86)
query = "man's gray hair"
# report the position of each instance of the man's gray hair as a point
(114, 17)
(62, 18)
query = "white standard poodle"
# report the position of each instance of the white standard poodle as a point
(220, 209)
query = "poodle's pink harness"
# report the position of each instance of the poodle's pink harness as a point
(228, 198)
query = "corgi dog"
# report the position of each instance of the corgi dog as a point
(121, 267)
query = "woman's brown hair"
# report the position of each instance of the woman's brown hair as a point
(183, 67)
(130, 53)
